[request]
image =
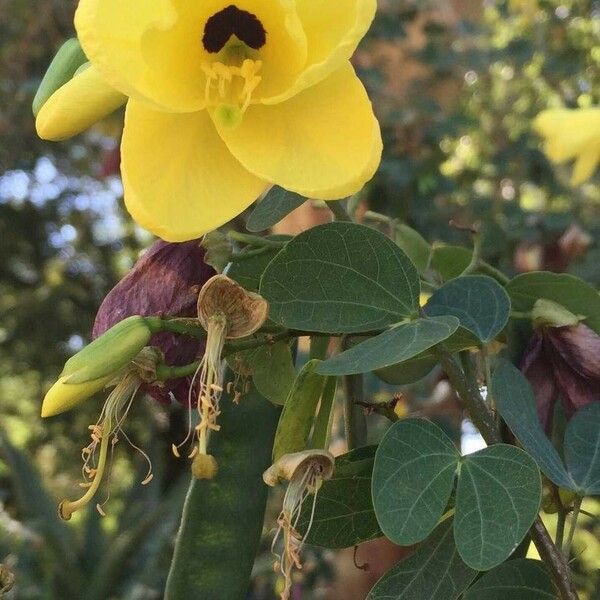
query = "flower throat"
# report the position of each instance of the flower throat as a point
(233, 35)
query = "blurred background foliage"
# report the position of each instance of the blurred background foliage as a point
(455, 84)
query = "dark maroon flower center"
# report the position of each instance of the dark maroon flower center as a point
(233, 21)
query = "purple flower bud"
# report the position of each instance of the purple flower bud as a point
(564, 362)
(165, 281)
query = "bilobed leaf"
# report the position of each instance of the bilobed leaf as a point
(418, 367)
(413, 478)
(516, 404)
(298, 415)
(519, 579)
(498, 498)
(344, 514)
(450, 261)
(414, 245)
(393, 346)
(272, 208)
(582, 449)
(273, 371)
(571, 292)
(479, 302)
(434, 572)
(341, 277)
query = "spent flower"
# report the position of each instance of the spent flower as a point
(305, 471)
(562, 360)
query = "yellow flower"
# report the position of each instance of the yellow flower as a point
(224, 100)
(572, 134)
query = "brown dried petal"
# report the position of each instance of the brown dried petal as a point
(579, 346)
(165, 281)
(245, 312)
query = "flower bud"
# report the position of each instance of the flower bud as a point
(7, 580)
(96, 365)
(549, 313)
(68, 59)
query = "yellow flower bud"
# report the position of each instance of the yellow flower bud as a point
(62, 396)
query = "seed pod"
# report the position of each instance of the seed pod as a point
(68, 59)
(204, 466)
(245, 312)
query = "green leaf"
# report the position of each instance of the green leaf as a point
(414, 245)
(418, 367)
(520, 579)
(516, 404)
(341, 277)
(413, 477)
(273, 371)
(569, 291)
(393, 346)
(450, 261)
(498, 498)
(248, 271)
(582, 449)
(344, 514)
(299, 412)
(272, 208)
(434, 572)
(479, 302)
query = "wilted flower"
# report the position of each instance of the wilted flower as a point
(572, 134)
(305, 472)
(562, 360)
(165, 281)
(224, 99)
(226, 311)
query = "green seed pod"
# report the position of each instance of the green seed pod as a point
(109, 353)
(68, 59)
(223, 517)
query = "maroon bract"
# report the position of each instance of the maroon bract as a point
(165, 281)
(563, 362)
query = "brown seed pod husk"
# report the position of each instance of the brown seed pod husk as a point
(204, 466)
(285, 468)
(245, 312)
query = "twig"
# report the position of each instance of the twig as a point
(338, 208)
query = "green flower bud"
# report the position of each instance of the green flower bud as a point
(110, 352)
(63, 67)
(546, 313)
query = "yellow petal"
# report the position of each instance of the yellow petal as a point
(180, 180)
(77, 105)
(586, 164)
(333, 30)
(153, 50)
(62, 397)
(324, 143)
(567, 131)
(111, 33)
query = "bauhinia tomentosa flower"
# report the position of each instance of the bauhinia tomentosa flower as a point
(224, 99)
(305, 471)
(572, 134)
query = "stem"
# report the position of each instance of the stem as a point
(355, 424)
(338, 208)
(466, 387)
(560, 527)
(250, 254)
(515, 314)
(254, 240)
(494, 273)
(165, 372)
(572, 527)
(475, 257)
